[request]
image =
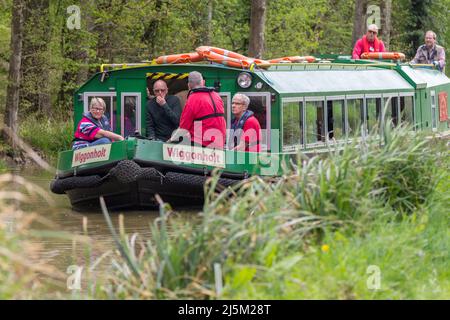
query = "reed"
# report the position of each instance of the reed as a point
(261, 230)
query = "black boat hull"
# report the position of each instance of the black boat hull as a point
(128, 186)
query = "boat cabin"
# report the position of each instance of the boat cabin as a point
(300, 106)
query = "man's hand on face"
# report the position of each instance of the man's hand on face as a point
(160, 100)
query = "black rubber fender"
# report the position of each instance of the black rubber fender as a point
(126, 171)
(60, 186)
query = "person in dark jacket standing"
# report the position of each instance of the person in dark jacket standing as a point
(202, 122)
(163, 113)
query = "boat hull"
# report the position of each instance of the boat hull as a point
(129, 186)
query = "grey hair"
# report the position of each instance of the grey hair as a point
(432, 32)
(97, 101)
(195, 78)
(243, 98)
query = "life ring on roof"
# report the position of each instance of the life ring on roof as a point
(231, 58)
(293, 59)
(383, 55)
(227, 61)
(180, 58)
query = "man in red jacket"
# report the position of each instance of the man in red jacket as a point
(368, 43)
(202, 120)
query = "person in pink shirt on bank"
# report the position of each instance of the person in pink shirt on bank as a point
(368, 43)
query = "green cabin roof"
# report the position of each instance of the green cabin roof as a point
(425, 78)
(335, 81)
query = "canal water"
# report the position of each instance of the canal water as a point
(63, 251)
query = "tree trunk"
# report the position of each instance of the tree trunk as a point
(208, 37)
(387, 23)
(257, 23)
(35, 86)
(12, 93)
(359, 21)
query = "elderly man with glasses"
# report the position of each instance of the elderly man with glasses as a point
(368, 43)
(163, 113)
(245, 132)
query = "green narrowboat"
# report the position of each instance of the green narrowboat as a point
(303, 107)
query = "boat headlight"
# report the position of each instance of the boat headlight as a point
(244, 80)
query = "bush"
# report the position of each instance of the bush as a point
(47, 136)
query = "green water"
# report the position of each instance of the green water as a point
(62, 252)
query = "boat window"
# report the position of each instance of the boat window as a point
(111, 106)
(292, 123)
(433, 110)
(130, 120)
(355, 112)
(391, 107)
(177, 83)
(225, 96)
(373, 110)
(336, 119)
(315, 125)
(260, 105)
(407, 110)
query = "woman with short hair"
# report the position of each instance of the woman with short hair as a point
(94, 128)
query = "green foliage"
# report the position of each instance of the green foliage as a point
(49, 136)
(311, 234)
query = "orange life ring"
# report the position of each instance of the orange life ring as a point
(293, 59)
(204, 50)
(383, 55)
(179, 58)
(223, 52)
(227, 61)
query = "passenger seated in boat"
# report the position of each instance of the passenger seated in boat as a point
(368, 43)
(245, 132)
(430, 52)
(94, 128)
(163, 113)
(129, 117)
(202, 121)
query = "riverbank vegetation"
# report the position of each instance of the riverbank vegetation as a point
(369, 222)
(323, 231)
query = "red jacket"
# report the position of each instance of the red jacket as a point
(363, 45)
(252, 135)
(203, 117)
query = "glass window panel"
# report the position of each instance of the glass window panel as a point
(373, 114)
(129, 116)
(355, 113)
(225, 109)
(315, 131)
(258, 104)
(110, 110)
(407, 110)
(391, 110)
(336, 120)
(292, 123)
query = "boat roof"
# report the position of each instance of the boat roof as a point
(331, 80)
(424, 77)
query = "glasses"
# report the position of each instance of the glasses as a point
(239, 103)
(159, 90)
(374, 32)
(97, 109)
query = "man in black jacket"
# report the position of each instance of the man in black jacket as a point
(163, 113)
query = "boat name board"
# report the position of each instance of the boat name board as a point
(195, 155)
(91, 154)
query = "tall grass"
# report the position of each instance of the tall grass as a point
(351, 206)
(48, 136)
